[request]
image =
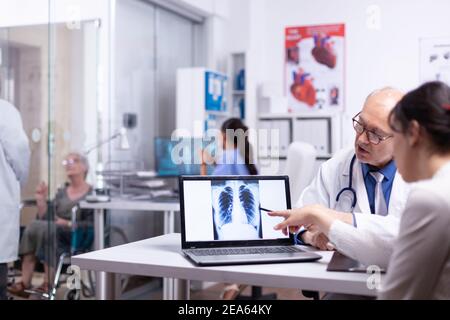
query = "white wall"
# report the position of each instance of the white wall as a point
(375, 58)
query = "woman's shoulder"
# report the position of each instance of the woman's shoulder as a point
(431, 196)
(438, 186)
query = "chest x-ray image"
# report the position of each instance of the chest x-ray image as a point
(236, 213)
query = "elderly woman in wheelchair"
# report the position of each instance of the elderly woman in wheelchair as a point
(39, 236)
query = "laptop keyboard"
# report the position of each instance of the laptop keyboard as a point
(242, 251)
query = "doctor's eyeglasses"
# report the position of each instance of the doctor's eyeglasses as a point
(373, 137)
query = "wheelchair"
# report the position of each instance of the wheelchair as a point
(81, 241)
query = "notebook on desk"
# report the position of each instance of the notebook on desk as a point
(225, 221)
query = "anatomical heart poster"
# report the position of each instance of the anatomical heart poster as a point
(315, 67)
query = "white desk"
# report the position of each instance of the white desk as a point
(104, 286)
(162, 257)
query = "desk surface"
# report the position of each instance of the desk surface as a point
(138, 205)
(162, 257)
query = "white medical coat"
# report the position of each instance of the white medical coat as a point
(14, 166)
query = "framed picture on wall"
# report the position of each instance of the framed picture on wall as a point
(435, 60)
(315, 67)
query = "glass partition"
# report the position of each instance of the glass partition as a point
(80, 72)
(24, 81)
(49, 71)
(73, 129)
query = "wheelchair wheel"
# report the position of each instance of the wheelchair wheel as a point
(72, 295)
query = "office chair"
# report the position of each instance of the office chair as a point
(300, 167)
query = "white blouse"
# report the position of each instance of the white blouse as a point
(419, 267)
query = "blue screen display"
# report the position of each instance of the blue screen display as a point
(181, 157)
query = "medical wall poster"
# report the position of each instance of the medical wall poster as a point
(315, 66)
(435, 60)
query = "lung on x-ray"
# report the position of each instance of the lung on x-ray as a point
(236, 213)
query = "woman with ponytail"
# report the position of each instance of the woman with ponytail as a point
(237, 154)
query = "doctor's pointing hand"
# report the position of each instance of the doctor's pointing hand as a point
(315, 217)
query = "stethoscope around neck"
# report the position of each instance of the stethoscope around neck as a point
(349, 189)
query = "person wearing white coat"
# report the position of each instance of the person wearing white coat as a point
(372, 149)
(14, 166)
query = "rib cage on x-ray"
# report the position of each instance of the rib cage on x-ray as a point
(236, 210)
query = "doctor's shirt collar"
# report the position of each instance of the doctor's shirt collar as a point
(388, 171)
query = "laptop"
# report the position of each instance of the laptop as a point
(225, 221)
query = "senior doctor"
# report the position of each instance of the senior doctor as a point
(14, 166)
(361, 187)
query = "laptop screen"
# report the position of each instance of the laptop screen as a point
(219, 210)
